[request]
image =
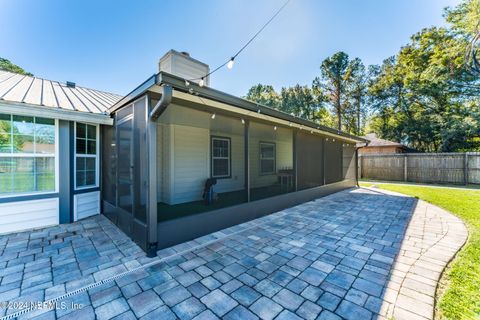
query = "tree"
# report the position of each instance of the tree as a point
(335, 74)
(265, 95)
(6, 65)
(421, 96)
(356, 94)
(301, 101)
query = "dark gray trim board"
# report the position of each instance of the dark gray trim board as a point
(187, 228)
(30, 197)
(65, 148)
(87, 190)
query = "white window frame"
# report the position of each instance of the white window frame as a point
(274, 158)
(35, 155)
(79, 155)
(229, 158)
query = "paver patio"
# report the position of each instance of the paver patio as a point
(357, 254)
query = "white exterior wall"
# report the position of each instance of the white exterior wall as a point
(23, 215)
(86, 205)
(183, 153)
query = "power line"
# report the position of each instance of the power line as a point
(229, 62)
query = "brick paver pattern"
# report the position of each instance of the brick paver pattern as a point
(357, 254)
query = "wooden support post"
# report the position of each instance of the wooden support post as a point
(405, 168)
(465, 168)
(359, 165)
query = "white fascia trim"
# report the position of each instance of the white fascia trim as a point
(26, 109)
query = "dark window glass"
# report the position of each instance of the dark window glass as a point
(81, 146)
(91, 147)
(81, 178)
(91, 132)
(86, 153)
(89, 178)
(220, 167)
(81, 130)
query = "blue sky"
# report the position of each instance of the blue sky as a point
(115, 45)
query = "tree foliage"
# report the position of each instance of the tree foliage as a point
(424, 96)
(6, 65)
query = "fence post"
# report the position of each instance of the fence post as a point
(465, 168)
(359, 164)
(405, 166)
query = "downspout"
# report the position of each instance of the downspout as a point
(152, 222)
(163, 103)
(356, 161)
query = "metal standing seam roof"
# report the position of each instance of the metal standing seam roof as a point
(37, 91)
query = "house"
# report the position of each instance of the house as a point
(172, 160)
(381, 146)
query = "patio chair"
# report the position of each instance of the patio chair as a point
(209, 194)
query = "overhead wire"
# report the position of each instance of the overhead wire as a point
(230, 61)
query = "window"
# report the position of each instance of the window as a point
(267, 158)
(220, 157)
(27, 154)
(86, 155)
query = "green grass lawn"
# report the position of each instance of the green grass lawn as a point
(458, 296)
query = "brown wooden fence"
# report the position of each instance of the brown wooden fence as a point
(452, 168)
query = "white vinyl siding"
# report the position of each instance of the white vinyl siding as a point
(185, 163)
(86, 205)
(24, 215)
(183, 160)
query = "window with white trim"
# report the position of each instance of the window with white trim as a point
(86, 155)
(27, 154)
(220, 157)
(267, 158)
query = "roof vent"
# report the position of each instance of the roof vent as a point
(70, 84)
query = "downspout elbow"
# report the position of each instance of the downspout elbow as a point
(162, 104)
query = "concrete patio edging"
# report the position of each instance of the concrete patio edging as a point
(414, 297)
